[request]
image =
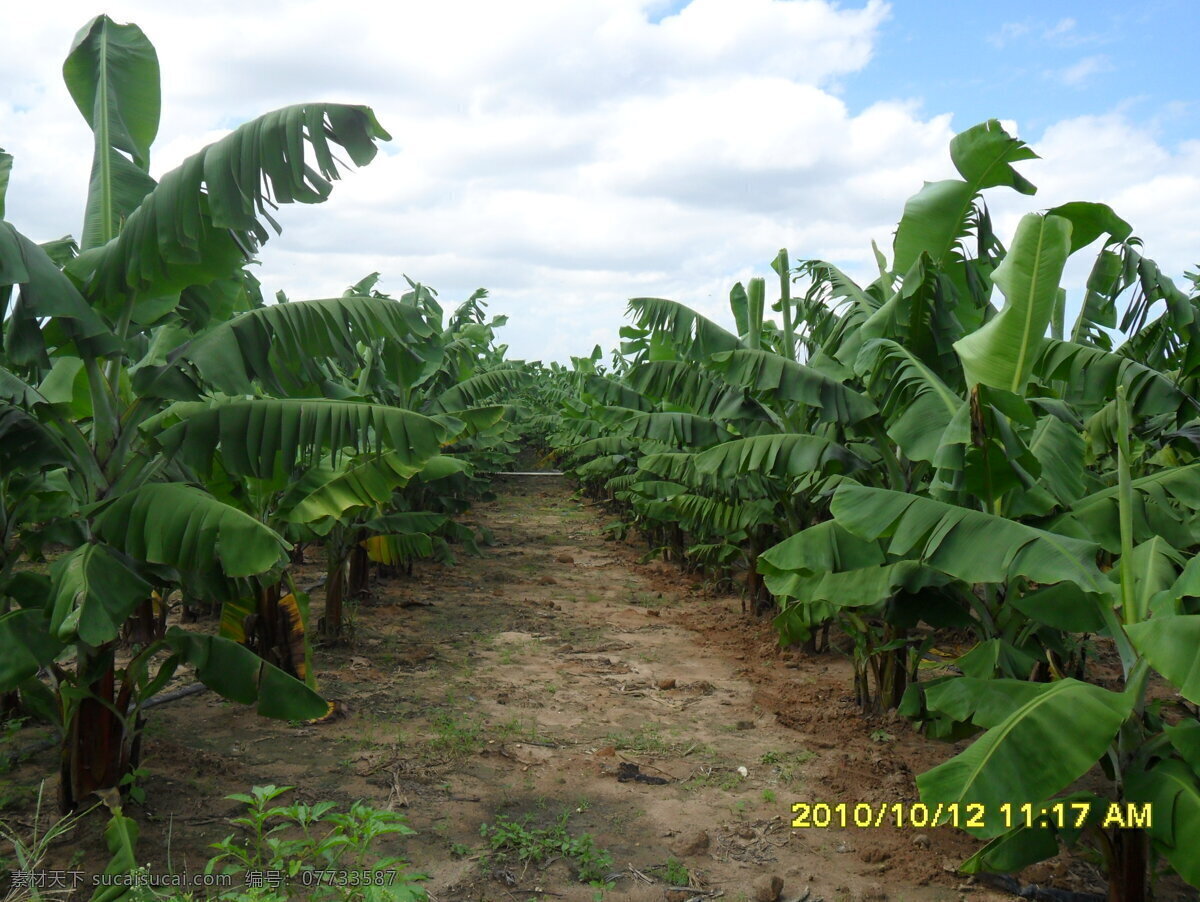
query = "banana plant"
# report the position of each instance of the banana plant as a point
(1146, 748)
(156, 307)
(1020, 542)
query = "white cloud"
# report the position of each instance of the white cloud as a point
(567, 156)
(1112, 159)
(1060, 28)
(1081, 72)
(1008, 33)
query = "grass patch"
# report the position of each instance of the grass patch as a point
(455, 736)
(515, 728)
(714, 778)
(647, 739)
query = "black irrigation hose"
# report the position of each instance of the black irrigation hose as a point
(17, 756)
(1037, 893)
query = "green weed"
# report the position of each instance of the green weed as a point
(785, 766)
(454, 736)
(675, 872)
(539, 845)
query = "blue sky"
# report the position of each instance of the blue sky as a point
(1040, 62)
(570, 155)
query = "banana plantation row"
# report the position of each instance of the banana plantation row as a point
(170, 442)
(997, 509)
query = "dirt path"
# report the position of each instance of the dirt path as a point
(520, 682)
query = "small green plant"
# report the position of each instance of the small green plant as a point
(540, 845)
(768, 796)
(304, 844)
(131, 785)
(882, 736)
(675, 872)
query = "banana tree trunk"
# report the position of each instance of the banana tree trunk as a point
(761, 601)
(148, 622)
(98, 746)
(335, 593)
(880, 677)
(278, 633)
(358, 577)
(1128, 867)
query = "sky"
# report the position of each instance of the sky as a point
(570, 155)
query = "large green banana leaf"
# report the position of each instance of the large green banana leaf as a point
(694, 335)
(236, 673)
(677, 466)
(1059, 448)
(327, 492)
(1165, 504)
(1027, 721)
(681, 430)
(256, 437)
(1002, 352)
(477, 389)
(827, 566)
(605, 444)
(606, 390)
(1029, 844)
(1172, 791)
(112, 74)
(186, 528)
(934, 219)
(26, 645)
(25, 444)
(713, 516)
(1091, 376)
(269, 344)
(686, 386)
(781, 379)
(467, 422)
(202, 219)
(1155, 566)
(1091, 220)
(44, 292)
(917, 403)
(777, 455)
(93, 593)
(1169, 643)
(966, 544)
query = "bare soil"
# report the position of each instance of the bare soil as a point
(518, 683)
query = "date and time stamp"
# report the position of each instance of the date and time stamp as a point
(971, 816)
(805, 816)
